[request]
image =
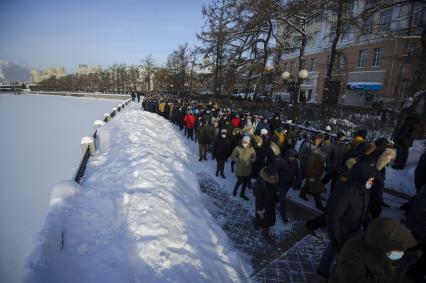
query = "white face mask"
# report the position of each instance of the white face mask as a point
(223, 136)
(259, 144)
(395, 255)
(245, 145)
(368, 185)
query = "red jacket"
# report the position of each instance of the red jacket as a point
(236, 122)
(189, 121)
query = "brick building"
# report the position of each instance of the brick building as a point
(373, 63)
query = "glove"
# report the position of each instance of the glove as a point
(261, 213)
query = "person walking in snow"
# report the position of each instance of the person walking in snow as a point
(273, 151)
(370, 256)
(205, 135)
(288, 172)
(347, 212)
(244, 156)
(266, 201)
(260, 149)
(189, 120)
(221, 150)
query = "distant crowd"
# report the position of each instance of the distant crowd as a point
(279, 156)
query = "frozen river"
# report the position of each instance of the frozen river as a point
(39, 146)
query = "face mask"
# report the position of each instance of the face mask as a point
(259, 144)
(223, 136)
(368, 186)
(395, 255)
(245, 145)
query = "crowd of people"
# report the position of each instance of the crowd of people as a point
(278, 157)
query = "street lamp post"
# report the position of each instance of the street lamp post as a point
(295, 87)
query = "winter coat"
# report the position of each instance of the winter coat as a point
(243, 158)
(272, 152)
(260, 160)
(305, 151)
(189, 121)
(419, 173)
(335, 156)
(236, 122)
(405, 130)
(363, 259)
(274, 124)
(288, 172)
(266, 198)
(221, 148)
(313, 172)
(261, 126)
(348, 206)
(416, 216)
(205, 134)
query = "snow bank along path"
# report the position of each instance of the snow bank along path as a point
(138, 215)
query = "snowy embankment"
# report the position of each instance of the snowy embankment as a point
(138, 215)
(39, 146)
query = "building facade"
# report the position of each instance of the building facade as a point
(374, 62)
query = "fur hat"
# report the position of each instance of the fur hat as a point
(223, 131)
(236, 131)
(341, 136)
(257, 139)
(384, 159)
(269, 175)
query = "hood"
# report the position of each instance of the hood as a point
(269, 175)
(384, 159)
(386, 234)
(361, 172)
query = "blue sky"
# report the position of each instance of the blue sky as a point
(46, 33)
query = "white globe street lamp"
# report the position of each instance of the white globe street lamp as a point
(303, 74)
(285, 76)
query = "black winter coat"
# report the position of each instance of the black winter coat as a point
(420, 173)
(416, 217)
(260, 160)
(348, 206)
(221, 148)
(266, 198)
(288, 173)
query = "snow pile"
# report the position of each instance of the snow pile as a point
(139, 216)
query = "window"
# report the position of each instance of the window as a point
(318, 39)
(385, 20)
(313, 65)
(378, 52)
(346, 33)
(362, 58)
(342, 62)
(332, 34)
(285, 66)
(369, 24)
(419, 15)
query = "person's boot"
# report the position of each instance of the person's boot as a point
(200, 159)
(223, 176)
(205, 158)
(217, 173)
(244, 197)
(265, 234)
(302, 193)
(234, 193)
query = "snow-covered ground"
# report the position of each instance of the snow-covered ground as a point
(139, 215)
(403, 180)
(39, 146)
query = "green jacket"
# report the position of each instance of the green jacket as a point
(244, 158)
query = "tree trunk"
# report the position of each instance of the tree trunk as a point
(333, 51)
